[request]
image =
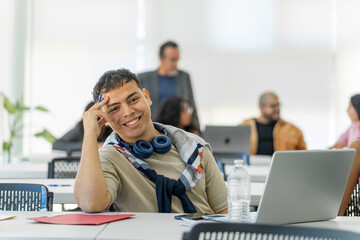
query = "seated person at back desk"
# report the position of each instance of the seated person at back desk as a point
(269, 132)
(177, 112)
(180, 175)
(353, 132)
(72, 140)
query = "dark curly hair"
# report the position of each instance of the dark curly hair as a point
(113, 79)
(355, 101)
(169, 113)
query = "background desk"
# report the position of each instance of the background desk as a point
(37, 170)
(145, 226)
(257, 173)
(257, 190)
(24, 170)
(263, 160)
(36, 166)
(63, 192)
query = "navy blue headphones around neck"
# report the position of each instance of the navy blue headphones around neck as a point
(142, 149)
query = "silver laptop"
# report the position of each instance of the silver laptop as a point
(304, 186)
(228, 139)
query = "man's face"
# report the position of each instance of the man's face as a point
(129, 112)
(271, 109)
(169, 60)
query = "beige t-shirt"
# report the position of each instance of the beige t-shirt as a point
(131, 191)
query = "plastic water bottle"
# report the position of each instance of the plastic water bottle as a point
(239, 193)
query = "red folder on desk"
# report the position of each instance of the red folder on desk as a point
(82, 219)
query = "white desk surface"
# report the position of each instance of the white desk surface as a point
(36, 166)
(24, 170)
(63, 192)
(340, 223)
(258, 173)
(145, 226)
(257, 189)
(263, 160)
(23, 228)
(37, 170)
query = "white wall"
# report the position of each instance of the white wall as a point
(12, 60)
(234, 50)
(6, 59)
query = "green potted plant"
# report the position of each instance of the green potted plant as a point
(15, 113)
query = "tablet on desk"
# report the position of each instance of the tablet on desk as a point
(215, 217)
(191, 216)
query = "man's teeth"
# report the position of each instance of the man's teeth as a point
(132, 122)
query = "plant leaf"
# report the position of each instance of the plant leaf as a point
(10, 108)
(41, 108)
(46, 135)
(22, 105)
(6, 146)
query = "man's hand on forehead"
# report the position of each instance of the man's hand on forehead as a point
(101, 105)
(105, 102)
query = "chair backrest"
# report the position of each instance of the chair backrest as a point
(25, 197)
(74, 152)
(240, 231)
(228, 158)
(65, 167)
(354, 204)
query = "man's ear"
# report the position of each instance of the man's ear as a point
(147, 96)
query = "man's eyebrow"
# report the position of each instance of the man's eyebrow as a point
(127, 98)
(131, 95)
(110, 105)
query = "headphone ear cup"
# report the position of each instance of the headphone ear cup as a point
(142, 149)
(161, 144)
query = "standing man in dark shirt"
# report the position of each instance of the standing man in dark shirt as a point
(270, 133)
(167, 81)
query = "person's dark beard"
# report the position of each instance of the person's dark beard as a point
(270, 119)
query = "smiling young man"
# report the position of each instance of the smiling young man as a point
(180, 175)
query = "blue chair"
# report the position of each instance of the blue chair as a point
(232, 231)
(25, 197)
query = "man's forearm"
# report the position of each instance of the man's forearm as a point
(90, 187)
(223, 211)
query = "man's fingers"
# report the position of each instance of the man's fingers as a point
(90, 114)
(103, 102)
(99, 105)
(102, 115)
(102, 122)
